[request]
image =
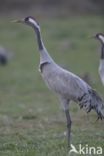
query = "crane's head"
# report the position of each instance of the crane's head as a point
(100, 36)
(29, 20)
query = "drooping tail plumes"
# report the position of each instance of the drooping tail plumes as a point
(92, 100)
(97, 104)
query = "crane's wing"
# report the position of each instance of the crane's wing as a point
(74, 84)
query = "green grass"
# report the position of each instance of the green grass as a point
(31, 121)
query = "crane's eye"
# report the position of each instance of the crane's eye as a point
(97, 35)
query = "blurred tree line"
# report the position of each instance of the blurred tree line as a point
(71, 6)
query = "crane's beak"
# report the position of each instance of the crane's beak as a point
(90, 37)
(18, 21)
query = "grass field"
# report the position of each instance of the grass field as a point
(31, 120)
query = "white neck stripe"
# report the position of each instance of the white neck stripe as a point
(34, 23)
(102, 38)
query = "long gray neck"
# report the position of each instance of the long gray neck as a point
(44, 56)
(102, 52)
(39, 39)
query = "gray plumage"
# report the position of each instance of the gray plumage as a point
(71, 87)
(100, 37)
(5, 55)
(65, 84)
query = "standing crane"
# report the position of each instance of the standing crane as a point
(67, 86)
(100, 37)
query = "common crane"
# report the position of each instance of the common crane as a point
(67, 86)
(5, 56)
(100, 37)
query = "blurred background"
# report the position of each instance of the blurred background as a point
(52, 8)
(31, 120)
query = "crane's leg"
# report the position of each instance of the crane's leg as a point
(68, 118)
(65, 104)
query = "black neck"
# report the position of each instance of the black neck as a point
(102, 52)
(39, 40)
(44, 56)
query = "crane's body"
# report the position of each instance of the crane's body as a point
(5, 56)
(100, 37)
(101, 70)
(68, 86)
(62, 82)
